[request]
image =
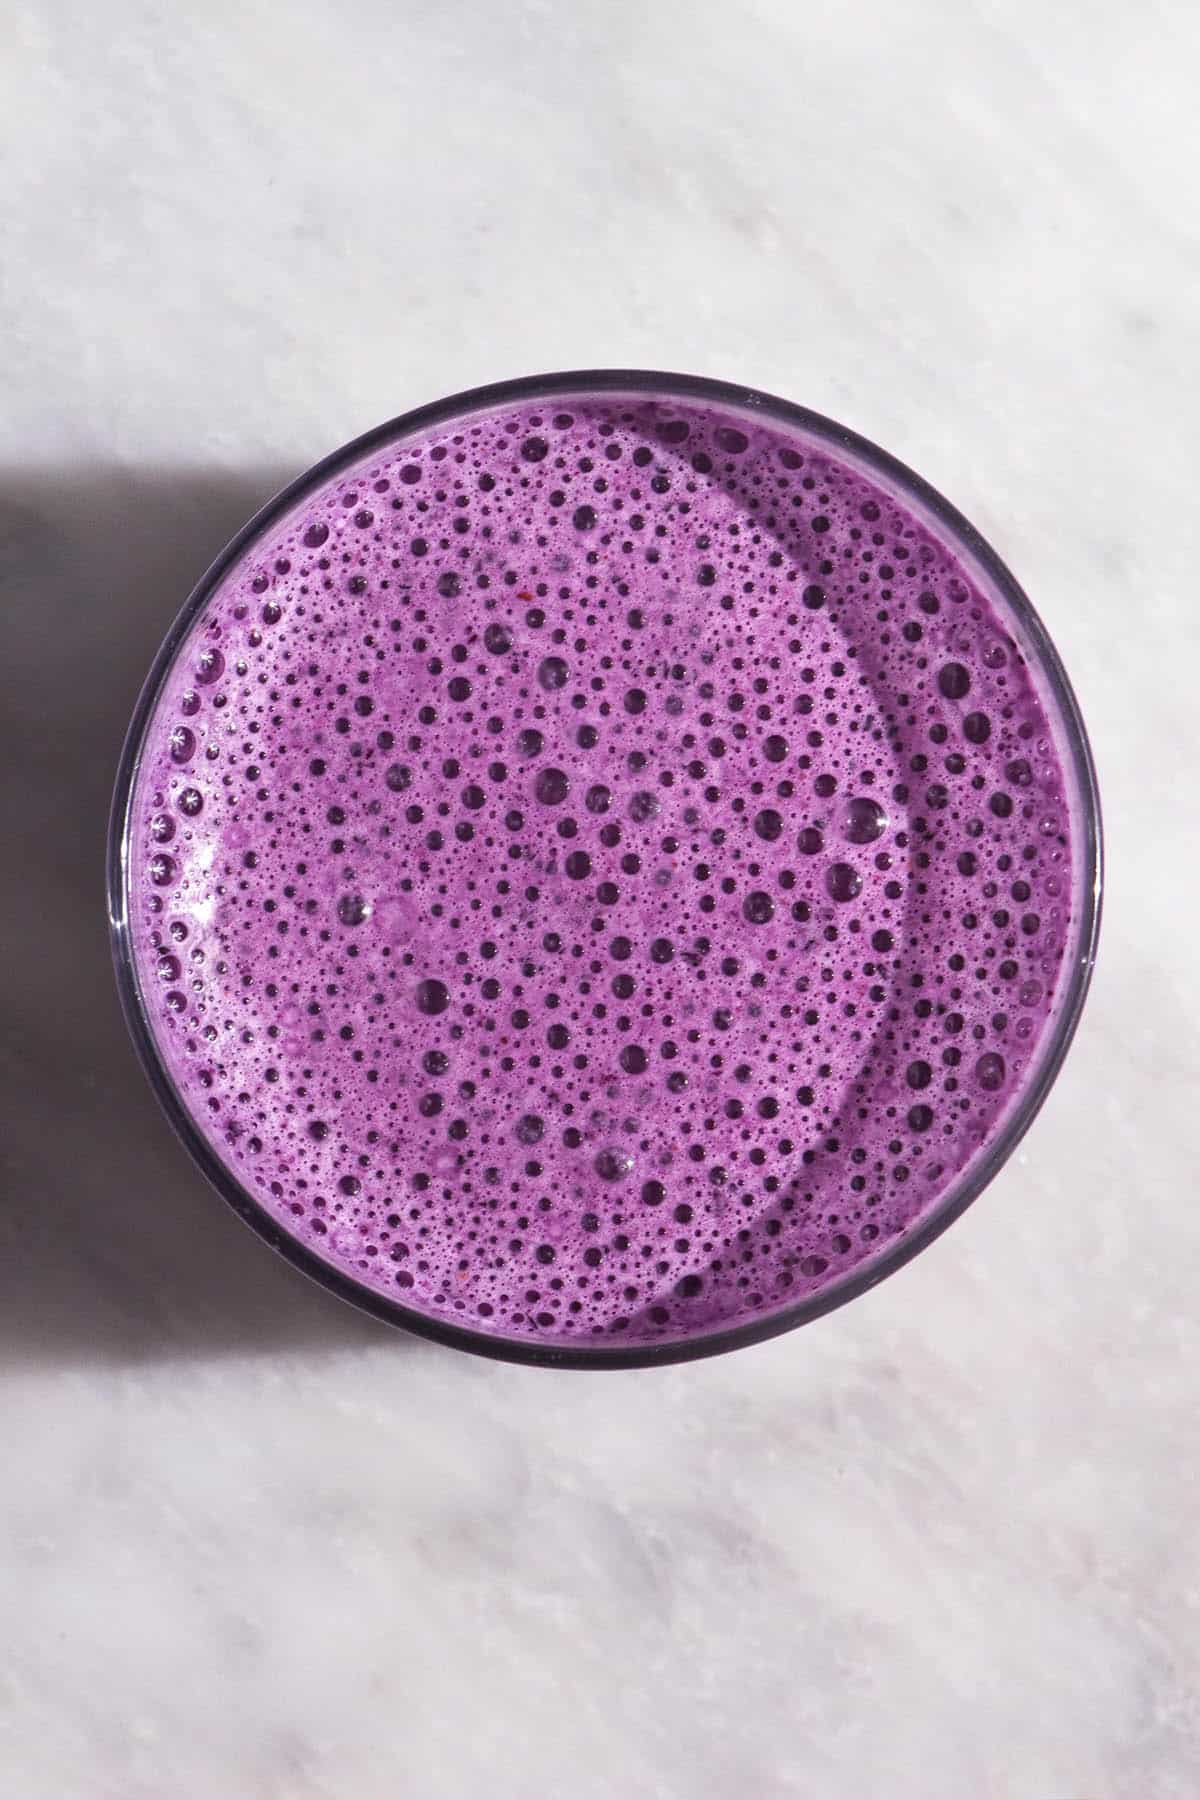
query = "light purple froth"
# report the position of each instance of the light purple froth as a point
(600, 874)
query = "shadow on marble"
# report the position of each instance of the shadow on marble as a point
(111, 1245)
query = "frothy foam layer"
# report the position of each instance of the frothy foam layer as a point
(600, 871)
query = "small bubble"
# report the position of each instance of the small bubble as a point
(433, 996)
(864, 820)
(183, 744)
(954, 680)
(990, 1071)
(552, 673)
(551, 787)
(613, 1164)
(842, 882)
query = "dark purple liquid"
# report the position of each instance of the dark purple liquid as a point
(600, 872)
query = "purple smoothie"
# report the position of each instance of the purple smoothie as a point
(603, 870)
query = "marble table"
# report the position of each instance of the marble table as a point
(940, 1545)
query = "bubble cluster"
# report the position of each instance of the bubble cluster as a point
(600, 871)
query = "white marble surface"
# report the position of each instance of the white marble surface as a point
(941, 1545)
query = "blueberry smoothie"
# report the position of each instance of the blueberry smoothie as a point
(602, 869)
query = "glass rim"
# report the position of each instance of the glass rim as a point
(1086, 881)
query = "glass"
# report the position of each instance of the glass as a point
(1057, 698)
